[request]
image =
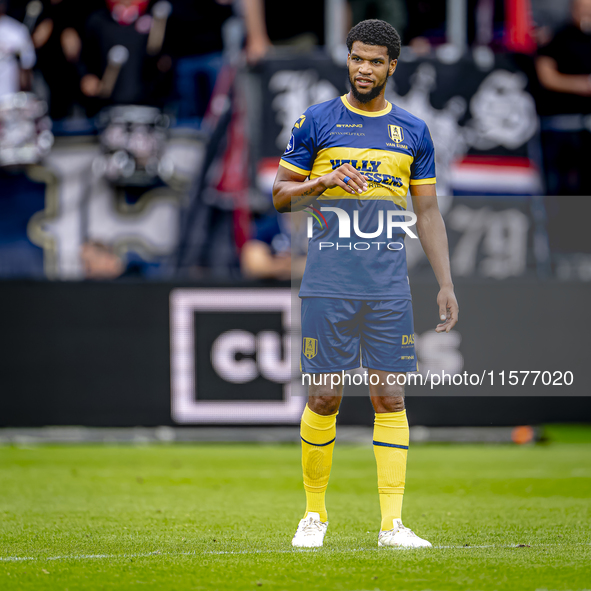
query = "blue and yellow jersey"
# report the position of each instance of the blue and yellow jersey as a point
(394, 150)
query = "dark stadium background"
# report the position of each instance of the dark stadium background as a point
(133, 183)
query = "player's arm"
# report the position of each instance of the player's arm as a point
(258, 262)
(25, 80)
(27, 59)
(552, 79)
(292, 192)
(431, 230)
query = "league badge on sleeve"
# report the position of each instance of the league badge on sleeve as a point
(290, 145)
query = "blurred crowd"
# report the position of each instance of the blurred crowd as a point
(99, 52)
(82, 56)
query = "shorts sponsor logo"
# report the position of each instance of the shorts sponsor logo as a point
(408, 339)
(310, 347)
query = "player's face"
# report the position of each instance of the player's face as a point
(369, 68)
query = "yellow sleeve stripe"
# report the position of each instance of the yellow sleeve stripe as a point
(431, 181)
(293, 168)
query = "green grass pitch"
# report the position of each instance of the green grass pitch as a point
(176, 517)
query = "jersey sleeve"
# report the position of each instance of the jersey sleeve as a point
(422, 170)
(300, 152)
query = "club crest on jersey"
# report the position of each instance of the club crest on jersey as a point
(310, 347)
(300, 121)
(396, 133)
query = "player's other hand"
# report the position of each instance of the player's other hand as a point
(356, 183)
(448, 309)
(90, 85)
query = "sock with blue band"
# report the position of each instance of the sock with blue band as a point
(318, 435)
(390, 446)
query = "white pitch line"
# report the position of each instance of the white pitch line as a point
(239, 552)
(211, 552)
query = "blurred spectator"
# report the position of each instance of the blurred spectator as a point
(391, 11)
(17, 54)
(195, 41)
(215, 222)
(267, 24)
(57, 38)
(195, 28)
(426, 23)
(268, 254)
(129, 74)
(100, 261)
(549, 13)
(564, 71)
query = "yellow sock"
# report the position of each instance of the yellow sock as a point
(318, 436)
(390, 446)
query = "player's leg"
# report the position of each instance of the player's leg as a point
(318, 433)
(390, 444)
(318, 429)
(388, 352)
(390, 441)
(325, 321)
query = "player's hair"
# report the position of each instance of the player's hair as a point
(376, 32)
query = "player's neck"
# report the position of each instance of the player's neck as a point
(377, 104)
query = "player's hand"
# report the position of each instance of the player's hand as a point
(357, 182)
(71, 44)
(90, 85)
(448, 309)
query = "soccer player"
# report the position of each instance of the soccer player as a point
(352, 160)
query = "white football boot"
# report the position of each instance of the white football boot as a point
(310, 532)
(401, 537)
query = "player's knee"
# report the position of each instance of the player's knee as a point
(393, 389)
(388, 403)
(324, 405)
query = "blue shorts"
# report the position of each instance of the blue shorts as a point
(338, 333)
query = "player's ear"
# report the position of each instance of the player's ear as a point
(393, 64)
